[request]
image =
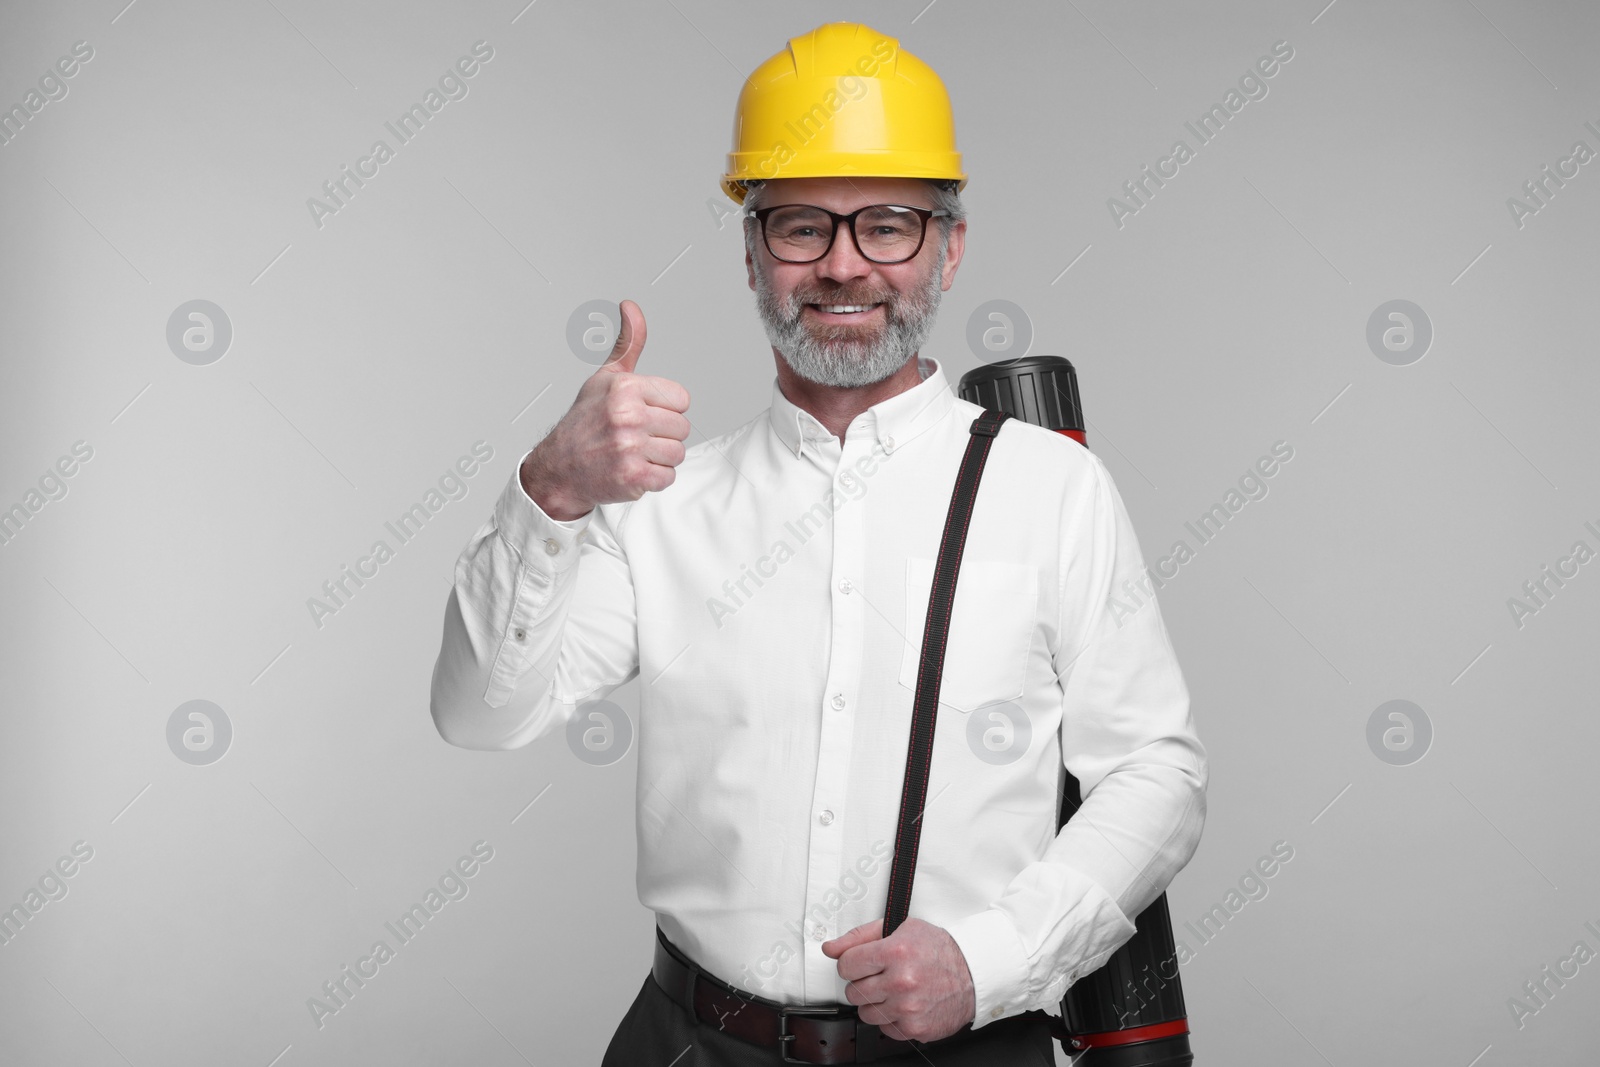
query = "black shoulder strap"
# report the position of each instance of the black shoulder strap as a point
(935, 632)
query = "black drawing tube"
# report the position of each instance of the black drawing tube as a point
(1130, 1012)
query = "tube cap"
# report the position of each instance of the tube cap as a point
(1042, 390)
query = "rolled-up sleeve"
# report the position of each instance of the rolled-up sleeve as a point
(1128, 737)
(541, 616)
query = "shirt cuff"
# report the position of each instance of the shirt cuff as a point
(548, 544)
(997, 962)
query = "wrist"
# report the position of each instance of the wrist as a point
(548, 493)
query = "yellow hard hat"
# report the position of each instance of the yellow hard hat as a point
(842, 101)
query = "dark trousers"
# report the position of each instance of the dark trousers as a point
(657, 1032)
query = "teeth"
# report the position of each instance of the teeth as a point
(840, 309)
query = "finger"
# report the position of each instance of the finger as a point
(873, 989)
(657, 476)
(663, 392)
(871, 931)
(664, 451)
(630, 339)
(660, 422)
(884, 1017)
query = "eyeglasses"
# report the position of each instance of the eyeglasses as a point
(884, 233)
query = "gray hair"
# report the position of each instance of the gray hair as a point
(943, 192)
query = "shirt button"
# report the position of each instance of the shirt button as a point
(888, 444)
(819, 932)
(845, 586)
(995, 1014)
(826, 818)
(838, 701)
(552, 546)
(522, 635)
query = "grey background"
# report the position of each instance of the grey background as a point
(430, 312)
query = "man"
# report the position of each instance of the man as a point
(770, 585)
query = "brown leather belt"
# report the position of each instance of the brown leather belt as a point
(821, 1034)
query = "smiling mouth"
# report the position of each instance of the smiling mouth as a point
(843, 312)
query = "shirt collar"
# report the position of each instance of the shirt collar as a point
(892, 422)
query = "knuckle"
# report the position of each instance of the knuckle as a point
(625, 413)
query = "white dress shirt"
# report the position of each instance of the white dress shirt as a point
(772, 601)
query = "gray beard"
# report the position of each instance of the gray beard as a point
(843, 357)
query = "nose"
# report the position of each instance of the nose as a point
(844, 260)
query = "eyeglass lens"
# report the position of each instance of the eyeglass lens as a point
(884, 233)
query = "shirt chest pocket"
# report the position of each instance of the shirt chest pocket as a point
(991, 629)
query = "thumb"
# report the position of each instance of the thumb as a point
(871, 931)
(630, 339)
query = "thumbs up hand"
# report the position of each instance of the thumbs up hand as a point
(622, 437)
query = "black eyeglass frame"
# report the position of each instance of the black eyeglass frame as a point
(834, 220)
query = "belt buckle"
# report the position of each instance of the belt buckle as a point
(784, 1036)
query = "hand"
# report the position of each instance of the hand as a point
(621, 438)
(913, 984)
